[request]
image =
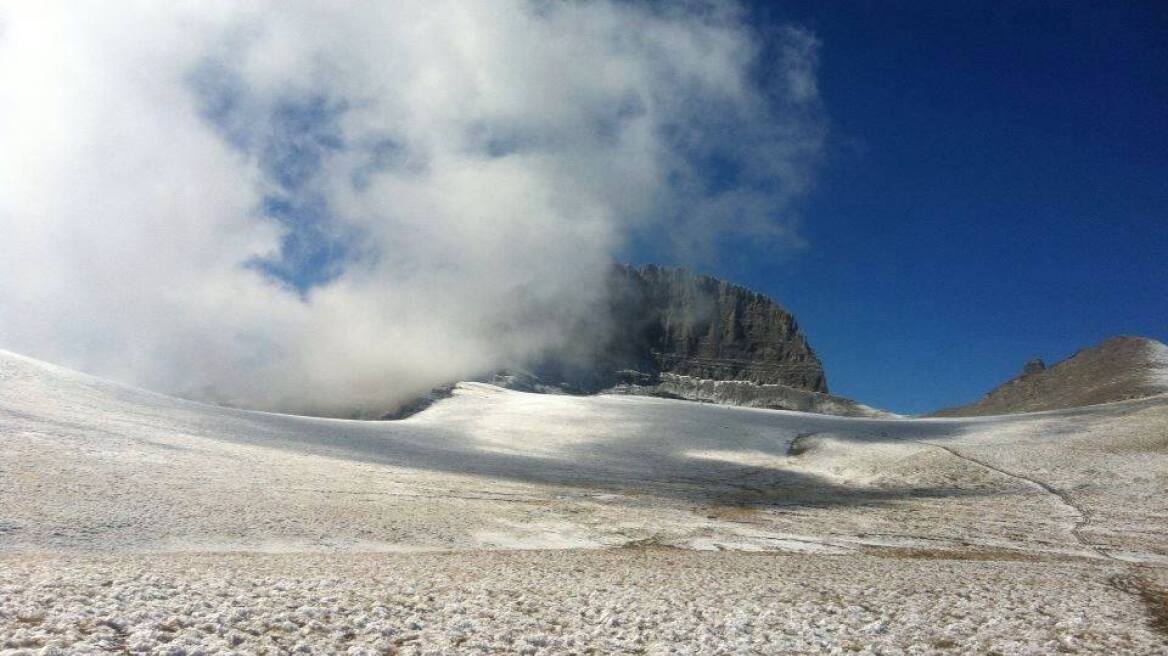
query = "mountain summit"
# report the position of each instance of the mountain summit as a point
(670, 332)
(1117, 369)
(672, 321)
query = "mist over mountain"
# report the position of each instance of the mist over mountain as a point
(669, 320)
(665, 331)
(285, 207)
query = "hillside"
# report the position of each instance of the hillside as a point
(264, 531)
(88, 463)
(136, 522)
(1117, 369)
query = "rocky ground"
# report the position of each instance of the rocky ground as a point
(626, 601)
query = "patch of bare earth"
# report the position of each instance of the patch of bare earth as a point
(1153, 595)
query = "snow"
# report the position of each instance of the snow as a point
(1159, 360)
(560, 602)
(560, 523)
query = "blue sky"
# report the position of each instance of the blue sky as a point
(996, 189)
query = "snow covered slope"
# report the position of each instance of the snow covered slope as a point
(130, 523)
(1158, 357)
(85, 464)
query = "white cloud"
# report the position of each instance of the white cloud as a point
(448, 179)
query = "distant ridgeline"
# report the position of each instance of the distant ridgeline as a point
(675, 334)
(1117, 369)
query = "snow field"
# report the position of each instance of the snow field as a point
(504, 522)
(627, 601)
(1159, 356)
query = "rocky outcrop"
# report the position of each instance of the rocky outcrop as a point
(1118, 369)
(667, 320)
(667, 332)
(670, 333)
(414, 406)
(1033, 367)
(752, 395)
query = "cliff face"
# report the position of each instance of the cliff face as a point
(668, 320)
(1120, 368)
(666, 332)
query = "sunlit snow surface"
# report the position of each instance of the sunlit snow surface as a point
(99, 481)
(1159, 359)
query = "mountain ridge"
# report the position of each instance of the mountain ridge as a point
(677, 334)
(1117, 369)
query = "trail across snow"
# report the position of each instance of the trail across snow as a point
(1063, 497)
(99, 477)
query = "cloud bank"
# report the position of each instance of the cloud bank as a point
(297, 207)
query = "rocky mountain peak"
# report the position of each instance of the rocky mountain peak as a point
(1116, 369)
(1033, 366)
(669, 320)
(669, 332)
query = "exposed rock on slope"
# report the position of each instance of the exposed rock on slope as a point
(755, 395)
(671, 321)
(675, 334)
(1118, 369)
(667, 332)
